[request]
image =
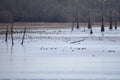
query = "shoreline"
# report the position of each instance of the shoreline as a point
(47, 25)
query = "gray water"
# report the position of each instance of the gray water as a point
(55, 58)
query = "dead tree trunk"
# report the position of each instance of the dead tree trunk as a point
(119, 17)
(72, 26)
(111, 25)
(89, 16)
(12, 33)
(91, 32)
(6, 35)
(119, 13)
(77, 13)
(89, 23)
(102, 26)
(115, 24)
(23, 36)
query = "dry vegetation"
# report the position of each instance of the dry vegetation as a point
(45, 25)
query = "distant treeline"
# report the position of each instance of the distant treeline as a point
(57, 10)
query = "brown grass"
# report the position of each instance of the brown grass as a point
(45, 25)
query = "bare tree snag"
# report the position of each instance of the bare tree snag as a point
(115, 24)
(73, 24)
(6, 34)
(23, 36)
(89, 16)
(12, 33)
(111, 26)
(77, 13)
(102, 26)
